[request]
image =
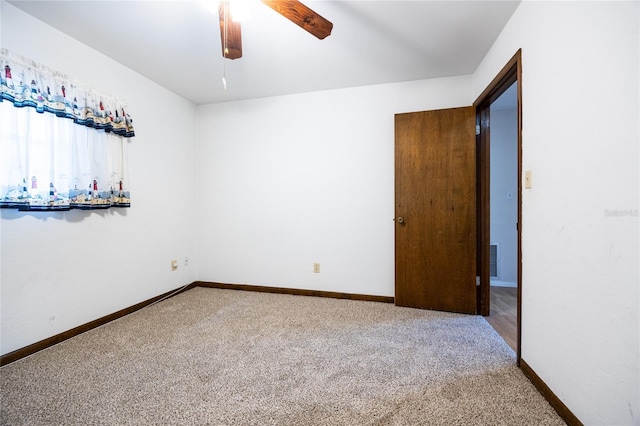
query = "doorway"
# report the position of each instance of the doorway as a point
(503, 201)
(499, 149)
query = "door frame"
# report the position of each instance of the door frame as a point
(509, 74)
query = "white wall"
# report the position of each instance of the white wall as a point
(61, 270)
(503, 183)
(580, 139)
(293, 180)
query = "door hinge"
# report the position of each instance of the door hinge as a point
(477, 129)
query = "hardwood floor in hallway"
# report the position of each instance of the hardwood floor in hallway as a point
(504, 311)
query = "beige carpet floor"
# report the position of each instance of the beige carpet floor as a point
(227, 357)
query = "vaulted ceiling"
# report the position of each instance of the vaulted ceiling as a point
(177, 43)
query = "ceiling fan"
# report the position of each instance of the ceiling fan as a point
(293, 10)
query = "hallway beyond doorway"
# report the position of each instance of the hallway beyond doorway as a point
(503, 314)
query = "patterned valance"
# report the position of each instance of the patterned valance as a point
(27, 84)
(62, 146)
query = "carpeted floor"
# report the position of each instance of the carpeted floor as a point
(227, 357)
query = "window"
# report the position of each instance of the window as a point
(57, 153)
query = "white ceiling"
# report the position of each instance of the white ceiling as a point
(177, 43)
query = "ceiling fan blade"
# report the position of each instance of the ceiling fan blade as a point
(302, 16)
(230, 34)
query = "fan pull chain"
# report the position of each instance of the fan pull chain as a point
(226, 28)
(226, 48)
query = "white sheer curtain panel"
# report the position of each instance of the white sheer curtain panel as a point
(61, 146)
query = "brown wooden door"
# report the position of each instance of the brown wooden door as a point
(435, 196)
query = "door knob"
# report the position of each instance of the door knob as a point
(400, 219)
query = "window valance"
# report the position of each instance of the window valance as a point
(62, 146)
(26, 83)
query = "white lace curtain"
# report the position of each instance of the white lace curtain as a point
(62, 146)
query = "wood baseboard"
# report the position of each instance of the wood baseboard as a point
(50, 341)
(562, 410)
(297, 292)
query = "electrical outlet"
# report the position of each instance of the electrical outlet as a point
(316, 268)
(174, 265)
(186, 261)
